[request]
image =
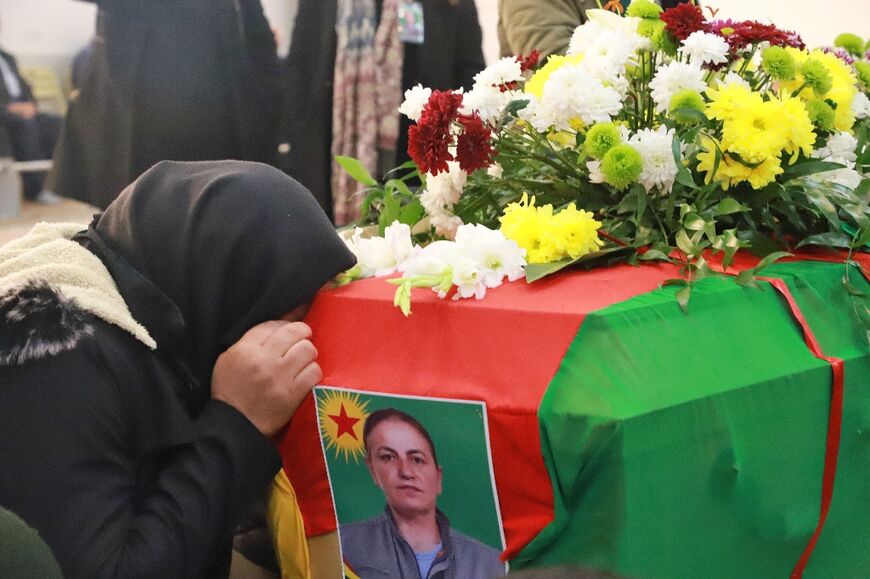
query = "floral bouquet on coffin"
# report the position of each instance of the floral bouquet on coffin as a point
(660, 135)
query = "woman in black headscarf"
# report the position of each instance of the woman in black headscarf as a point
(142, 369)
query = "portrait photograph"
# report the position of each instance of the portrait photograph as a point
(412, 485)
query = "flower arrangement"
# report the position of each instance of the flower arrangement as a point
(659, 135)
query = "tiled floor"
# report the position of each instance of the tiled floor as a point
(32, 213)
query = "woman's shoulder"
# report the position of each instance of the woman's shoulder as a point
(40, 323)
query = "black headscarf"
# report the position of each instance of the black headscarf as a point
(202, 252)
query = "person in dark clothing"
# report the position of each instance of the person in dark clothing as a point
(446, 56)
(26, 134)
(168, 80)
(81, 62)
(144, 366)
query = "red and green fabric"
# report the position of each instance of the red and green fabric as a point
(625, 434)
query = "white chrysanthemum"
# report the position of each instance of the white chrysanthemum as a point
(500, 73)
(495, 171)
(608, 46)
(861, 106)
(498, 256)
(572, 93)
(415, 99)
(595, 174)
(379, 256)
(444, 259)
(673, 77)
(733, 78)
(705, 48)
(840, 148)
(488, 102)
(659, 168)
(537, 114)
(442, 192)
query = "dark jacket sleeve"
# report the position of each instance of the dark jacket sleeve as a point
(469, 53)
(26, 90)
(85, 469)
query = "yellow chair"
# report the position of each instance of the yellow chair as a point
(46, 87)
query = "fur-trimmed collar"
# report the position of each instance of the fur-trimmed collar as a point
(37, 321)
(48, 286)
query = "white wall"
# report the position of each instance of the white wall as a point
(55, 29)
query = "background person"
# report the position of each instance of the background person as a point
(143, 368)
(412, 538)
(25, 133)
(168, 80)
(343, 89)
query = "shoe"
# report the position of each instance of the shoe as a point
(46, 197)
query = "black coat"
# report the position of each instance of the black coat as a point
(187, 81)
(26, 92)
(100, 455)
(449, 57)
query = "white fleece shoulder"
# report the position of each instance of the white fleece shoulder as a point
(47, 253)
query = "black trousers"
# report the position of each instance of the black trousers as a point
(29, 140)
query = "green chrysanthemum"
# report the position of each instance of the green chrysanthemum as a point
(649, 28)
(644, 9)
(863, 70)
(621, 166)
(852, 43)
(821, 114)
(601, 138)
(683, 100)
(778, 63)
(661, 39)
(816, 76)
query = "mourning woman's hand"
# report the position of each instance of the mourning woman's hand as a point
(267, 373)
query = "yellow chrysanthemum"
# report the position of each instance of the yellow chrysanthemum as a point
(843, 88)
(547, 237)
(727, 101)
(731, 171)
(798, 127)
(578, 230)
(535, 85)
(757, 176)
(756, 131)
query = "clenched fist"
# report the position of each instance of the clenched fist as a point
(267, 373)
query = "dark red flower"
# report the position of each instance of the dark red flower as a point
(474, 145)
(530, 61)
(441, 109)
(429, 140)
(429, 147)
(751, 32)
(682, 20)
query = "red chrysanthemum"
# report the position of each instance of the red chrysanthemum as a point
(750, 32)
(429, 140)
(474, 145)
(441, 109)
(682, 20)
(530, 61)
(429, 147)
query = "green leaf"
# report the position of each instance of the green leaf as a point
(536, 271)
(683, 294)
(675, 281)
(808, 168)
(606, 256)
(851, 289)
(694, 222)
(684, 243)
(514, 107)
(768, 260)
(747, 279)
(829, 239)
(356, 170)
(729, 205)
(412, 212)
(653, 255)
